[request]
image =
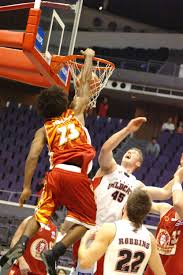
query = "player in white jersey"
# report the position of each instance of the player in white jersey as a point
(111, 193)
(113, 183)
(127, 244)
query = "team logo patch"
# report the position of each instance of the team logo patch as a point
(163, 238)
(38, 247)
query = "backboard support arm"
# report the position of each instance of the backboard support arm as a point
(78, 10)
(37, 4)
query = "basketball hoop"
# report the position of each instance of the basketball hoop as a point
(101, 71)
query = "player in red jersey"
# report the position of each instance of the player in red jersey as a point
(70, 153)
(169, 234)
(31, 262)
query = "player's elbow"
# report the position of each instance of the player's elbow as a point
(103, 152)
(102, 160)
(105, 148)
(100, 157)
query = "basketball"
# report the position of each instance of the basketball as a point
(94, 83)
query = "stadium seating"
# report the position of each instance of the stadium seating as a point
(145, 60)
(18, 124)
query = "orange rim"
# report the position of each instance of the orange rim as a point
(71, 58)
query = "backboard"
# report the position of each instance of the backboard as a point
(57, 26)
(57, 30)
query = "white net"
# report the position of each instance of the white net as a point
(101, 71)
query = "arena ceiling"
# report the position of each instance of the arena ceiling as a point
(166, 14)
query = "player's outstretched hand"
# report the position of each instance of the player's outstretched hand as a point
(88, 52)
(179, 174)
(135, 124)
(26, 193)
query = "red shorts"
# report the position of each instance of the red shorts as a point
(67, 188)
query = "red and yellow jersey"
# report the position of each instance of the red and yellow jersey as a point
(169, 238)
(43, 240)
(68, 141)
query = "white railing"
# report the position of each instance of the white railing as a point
(11, 193)
(15, 204)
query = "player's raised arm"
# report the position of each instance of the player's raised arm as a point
(158, 193)
(106, 160)
(81, 99)
(165, 192)
(177, 195)
(155, 262)
(31, 163)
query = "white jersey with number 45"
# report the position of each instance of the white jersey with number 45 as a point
(129, 252)
(111, 193)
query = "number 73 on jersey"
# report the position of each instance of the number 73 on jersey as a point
(67, 133)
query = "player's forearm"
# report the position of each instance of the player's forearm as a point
(87, 69)
(155, 262)
(85, 261)
(14, 241)
(158, 267)
(30, 167)
(167, 190)
(86, 76)
(163, 193)
(157, 193)
(115, 140)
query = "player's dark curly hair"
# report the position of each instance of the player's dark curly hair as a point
(52, 102)
(138, 206)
